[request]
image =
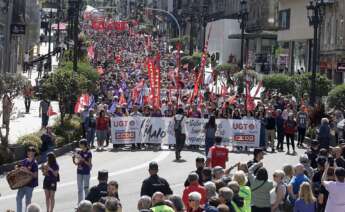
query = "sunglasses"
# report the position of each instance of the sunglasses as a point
(191, 200)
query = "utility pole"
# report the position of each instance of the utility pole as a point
(316, 9)
(8, 38)
(49, 62)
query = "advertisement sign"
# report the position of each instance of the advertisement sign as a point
(154, 130)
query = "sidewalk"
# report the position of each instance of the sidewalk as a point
(22, 124)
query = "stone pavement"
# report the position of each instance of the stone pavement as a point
(22, 124)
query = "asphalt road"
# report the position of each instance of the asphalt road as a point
(129, 169)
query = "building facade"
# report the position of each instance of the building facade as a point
(294, 36)
(332, 42)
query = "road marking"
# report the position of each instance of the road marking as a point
(158, 159)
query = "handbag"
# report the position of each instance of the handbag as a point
(18, 178)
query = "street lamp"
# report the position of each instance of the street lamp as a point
(316, 12)
(242, 18)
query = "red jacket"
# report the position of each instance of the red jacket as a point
(191, 188)
(102, 123)
(217, 156)
(290, 127)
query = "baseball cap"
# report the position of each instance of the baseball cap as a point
(153, 166)
(103, 175)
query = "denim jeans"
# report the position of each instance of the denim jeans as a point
(83, 182)
(27, 192)
(90, 136)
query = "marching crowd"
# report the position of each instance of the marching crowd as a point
(314, 184)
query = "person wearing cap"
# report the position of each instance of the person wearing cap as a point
(336, 200)
(83, 160)
(302, 123)
(313, 153)
(100, 190)
(155, 183)
(258, 156)
(30, 165)
(200, 164)
(194, 186)
(217, 155)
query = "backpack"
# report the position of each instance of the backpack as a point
(178, 125)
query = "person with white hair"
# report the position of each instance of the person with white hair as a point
(34, 207)
(324, 135)
(194, 202)
(84, 206)
(144, 204)
(211, 190)
(296, 181)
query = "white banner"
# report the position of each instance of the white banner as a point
(129, 130)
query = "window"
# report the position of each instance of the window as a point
(284, 19)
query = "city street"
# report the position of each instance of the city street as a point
(129, 169)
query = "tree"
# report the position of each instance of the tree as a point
(11, 86)
(303, 84)
(240, 78)
(227, 70)
(336, 97)
(281, 83)
(64, 86)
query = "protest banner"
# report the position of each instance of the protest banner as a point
(155, 130)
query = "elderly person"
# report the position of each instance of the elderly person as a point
(33, 207)
(324, 135)
(113, 205)
(245, 191)
(296, 181)
(237, 201)
(144, 204)
(194, 202)
(177, 203)
(211, 190)
(158, 203)
(85, 206)
(277, 194)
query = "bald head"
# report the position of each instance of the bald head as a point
(299, 169)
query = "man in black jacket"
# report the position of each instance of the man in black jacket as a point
(154, 183)
(100, 190)
(200, 164)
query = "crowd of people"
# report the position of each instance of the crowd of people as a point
(314, 184)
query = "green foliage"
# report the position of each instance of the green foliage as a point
(70, 131)
(184, 41)
(12, 84)
(303, 84)
(336, 97)
(33, 139)
(281, 83)
(193, 60)
(226, 67)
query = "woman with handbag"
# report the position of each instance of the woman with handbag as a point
(51, 177)
(260, 187)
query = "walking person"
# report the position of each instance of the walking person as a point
(39, 67)
(324, 136)
(180, 134)
(280, 130)
(83, 160)
(270, 130)
(210, 133)
(290, 127)
(102, 125)
(48, 143)
(43, 112)
(51, 177)
(302, 119)
(30, 165)
(90, 128)
(27, 93)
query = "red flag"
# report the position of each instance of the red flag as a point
(122, 100)
(90, 52)
(50, 111)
